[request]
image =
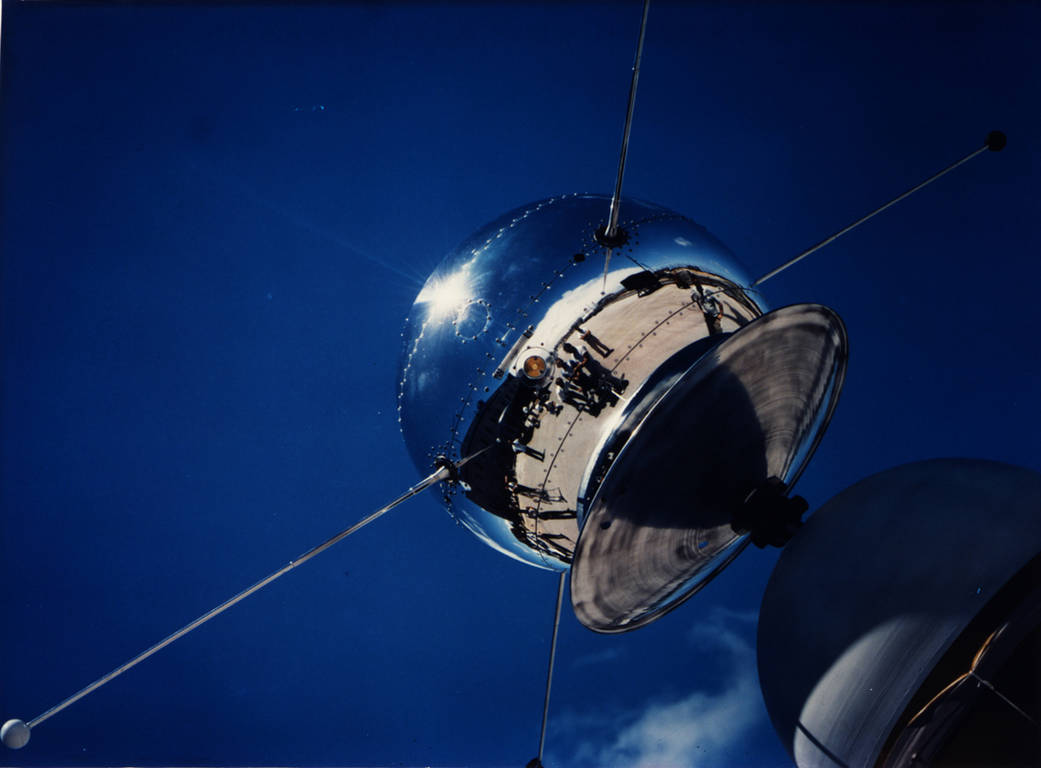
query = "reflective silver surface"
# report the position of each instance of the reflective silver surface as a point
(515, 342)
(878, 584)
(660, 524)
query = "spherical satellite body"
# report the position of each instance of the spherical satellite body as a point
(627, 408)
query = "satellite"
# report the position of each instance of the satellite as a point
(595, 386)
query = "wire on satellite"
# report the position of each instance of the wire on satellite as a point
(549, 675)
(995, 142)
(19, 730)
(610, 236)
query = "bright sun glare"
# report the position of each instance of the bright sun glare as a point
(445, 294)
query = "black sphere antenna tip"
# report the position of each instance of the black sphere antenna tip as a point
(996, 141)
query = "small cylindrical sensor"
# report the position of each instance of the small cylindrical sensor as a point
(535, 367)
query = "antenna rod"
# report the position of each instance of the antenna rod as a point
(16, 733)
(537, 762)
(609, 235)
(995, 143)
(612, 219)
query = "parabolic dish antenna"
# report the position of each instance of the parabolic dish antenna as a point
(744, 419)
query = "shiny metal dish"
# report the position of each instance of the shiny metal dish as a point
(663, 520)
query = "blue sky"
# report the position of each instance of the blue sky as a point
(215, 220)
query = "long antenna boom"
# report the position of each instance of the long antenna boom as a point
(995, 142)
(616, 198)
(609, 235)
(16, 732)
(537, 762)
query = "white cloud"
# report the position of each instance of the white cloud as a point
(693, 731)
(698, 729)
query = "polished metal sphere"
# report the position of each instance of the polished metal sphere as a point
(14, 734)
(523, 345)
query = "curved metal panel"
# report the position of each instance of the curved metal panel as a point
(874, 589)
(661, 523)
